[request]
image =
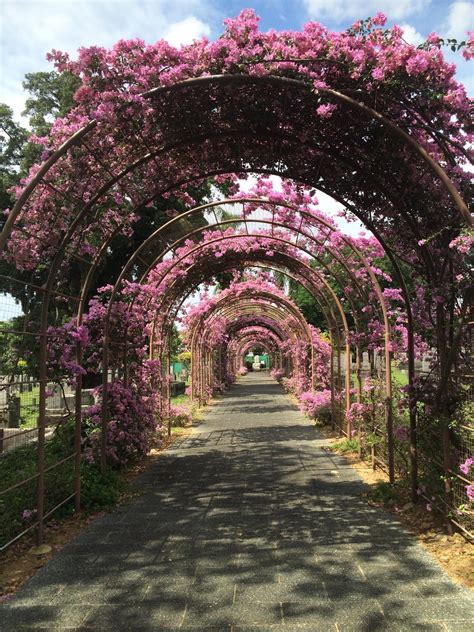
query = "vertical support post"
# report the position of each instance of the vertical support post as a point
(105, 385)
(125, 360)
(412, 411)
(359, 395)
(313, 370)
(220, 364)
(168, 385)
(348, 385)
(41, 436)
(339, 382)
(333, 402)
(389, 413)
(77, 433)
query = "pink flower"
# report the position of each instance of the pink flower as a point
(402, 433)
(468, 51)
(417, 63)
(325, 110)
(378, 74)
(466, 466)
(379, 19)
(27, 514)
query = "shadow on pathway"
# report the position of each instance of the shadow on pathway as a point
(248, 525)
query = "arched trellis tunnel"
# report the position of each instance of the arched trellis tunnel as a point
(104, 171)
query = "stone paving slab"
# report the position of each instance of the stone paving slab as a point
(246, 526)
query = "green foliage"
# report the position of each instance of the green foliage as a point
(346, 446)
(21, 464)
(99, 491)
(184, 357)
(307, 304)
(52, 96)
(12, 141)
(384, 493)
(372, 439)
(176, 344)
(18, 353)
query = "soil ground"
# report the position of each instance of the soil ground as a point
(453, 552)
(248, 524)
(17, 564)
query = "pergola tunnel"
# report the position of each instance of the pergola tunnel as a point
(183, 207)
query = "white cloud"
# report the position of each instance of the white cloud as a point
(411, 35)
(9, 307)
(187, 30)
(333, 208)
(341, 10)
(460, 19)
(29, 29)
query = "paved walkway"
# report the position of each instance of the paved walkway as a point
(247, 526)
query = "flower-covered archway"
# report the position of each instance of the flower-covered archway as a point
(379, 125)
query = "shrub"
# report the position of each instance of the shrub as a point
(180, 416)
(99, 491)
(230, 378)
(277, 374)
(131, 424)
(18, 508)
(347, 445)
(317, 405)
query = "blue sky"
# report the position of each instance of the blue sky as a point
(30, 28)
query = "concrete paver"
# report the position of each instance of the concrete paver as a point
(246, 526)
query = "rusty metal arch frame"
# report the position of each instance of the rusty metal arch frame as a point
(318, 220)
(266, 314)
(334, 328)
(314, 272)
(311, 237)
(246, 338)
(229, 354)
(41, 404)
(239, 310)
(312, 255)
(334, 332)
(197, 209)
(242, 335)
(340, 97)
(227, 306)
(79, 135)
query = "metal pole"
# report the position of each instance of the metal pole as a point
(77, 432)
(348, 385)
(41, 437)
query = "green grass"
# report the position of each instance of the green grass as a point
(347, 445)
(177, 430)
(385, 493)
(28, 412)
(180, 400)
(99, 491)
(399, 377)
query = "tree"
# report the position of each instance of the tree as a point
(52, 96)
(12, 141)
